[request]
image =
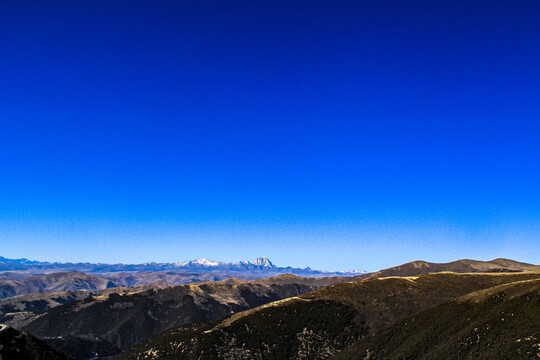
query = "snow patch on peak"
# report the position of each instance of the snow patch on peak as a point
(263, 261)
(206, 262)
(355, 271)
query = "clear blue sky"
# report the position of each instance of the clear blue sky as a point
(330, 134)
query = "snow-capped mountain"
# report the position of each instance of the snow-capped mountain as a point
(204, 262)
(261, 267)
(263, 261)
(355, 271)
(201, 262)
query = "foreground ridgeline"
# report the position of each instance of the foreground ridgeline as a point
(419, 310)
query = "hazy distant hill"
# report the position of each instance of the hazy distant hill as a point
(20, 346)
(20, 283)
(133, 278)
(318, 324)
(55, 282)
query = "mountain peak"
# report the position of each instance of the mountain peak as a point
(263, 261)
(23, 261)
(206, 262)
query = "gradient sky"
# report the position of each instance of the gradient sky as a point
(330, 134)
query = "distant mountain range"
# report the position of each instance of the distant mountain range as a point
(261, 267)
(22, 261)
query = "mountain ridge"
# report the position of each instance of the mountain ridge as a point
(261, 266)
(54, 282)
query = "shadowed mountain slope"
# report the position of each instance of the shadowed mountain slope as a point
(18, 345)
(19, 310)
(502, 322)
(315, 325)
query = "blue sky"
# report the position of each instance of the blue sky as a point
(335, 135)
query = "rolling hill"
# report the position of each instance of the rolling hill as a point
(419, 267)
(55, 282)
